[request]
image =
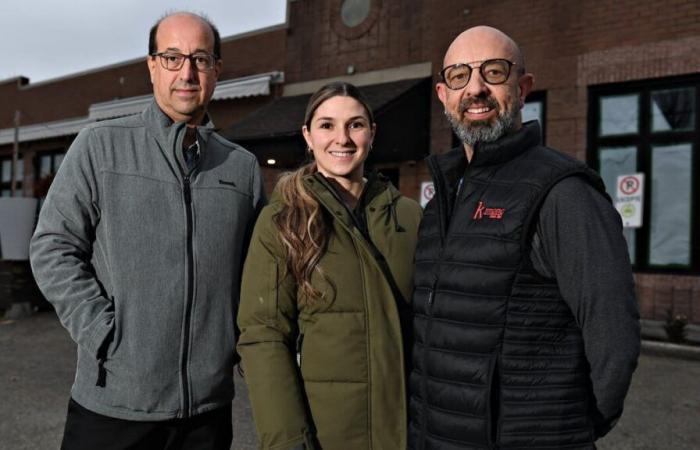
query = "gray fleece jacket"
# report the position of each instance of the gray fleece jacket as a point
(142, 259)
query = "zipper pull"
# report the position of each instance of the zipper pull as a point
(431, 296)
(188, 193)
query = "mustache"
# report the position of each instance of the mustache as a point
(482, 100)
(187, 86)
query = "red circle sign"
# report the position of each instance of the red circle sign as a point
(429, 191)
(629, 185)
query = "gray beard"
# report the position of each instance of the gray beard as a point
(482, 131)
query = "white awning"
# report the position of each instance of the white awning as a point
(119, 108)
(253, 85)
(44, 130)
(235, 88)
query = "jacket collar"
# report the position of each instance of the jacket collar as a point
(169, 134)
(377, 192)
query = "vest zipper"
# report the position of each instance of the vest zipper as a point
(189, 300)
(424, 378)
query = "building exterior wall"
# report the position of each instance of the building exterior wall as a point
(569, 46)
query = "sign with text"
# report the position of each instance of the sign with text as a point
(629, 199)
(427, 190)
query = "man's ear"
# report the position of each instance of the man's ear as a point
(526, 82)
(151, 62)
(441, 89)
(217, 68)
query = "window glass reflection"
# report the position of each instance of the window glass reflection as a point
(669, 242)
(619, 114)
(6, 171)
(616, 161)
(673, 109)
(532, 111)
(44, 165)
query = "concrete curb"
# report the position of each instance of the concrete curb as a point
(666, 349)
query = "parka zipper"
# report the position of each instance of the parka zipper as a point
(374, 251)
(189, 300)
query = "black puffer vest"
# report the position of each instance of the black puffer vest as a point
(498, 359)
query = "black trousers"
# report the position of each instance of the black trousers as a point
(88, 430)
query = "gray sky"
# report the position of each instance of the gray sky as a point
(43, 39)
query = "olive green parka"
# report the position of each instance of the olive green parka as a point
(347, 388)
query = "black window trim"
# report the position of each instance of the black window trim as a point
(644, 140)
(540, 96)
(6, 186)
(52, 153)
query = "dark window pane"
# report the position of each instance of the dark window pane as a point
(20, 169)
(57, 160)
(5, 174)
(673, 109)
(533, 111)
(45, 165)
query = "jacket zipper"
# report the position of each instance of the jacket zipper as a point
(189, 300)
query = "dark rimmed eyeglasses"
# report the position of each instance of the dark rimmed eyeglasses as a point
(492, 71)
(203, 62)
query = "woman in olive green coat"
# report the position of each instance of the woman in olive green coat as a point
(325, 293)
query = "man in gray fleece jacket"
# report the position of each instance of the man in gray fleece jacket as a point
(139, 247)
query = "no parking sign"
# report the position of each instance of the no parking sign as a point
(629, 199)
(427, 191)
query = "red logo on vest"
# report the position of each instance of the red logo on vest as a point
(491, 213)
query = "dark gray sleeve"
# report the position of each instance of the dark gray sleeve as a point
(579, 241)
(61, 250)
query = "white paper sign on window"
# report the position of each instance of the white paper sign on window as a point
(629, 200)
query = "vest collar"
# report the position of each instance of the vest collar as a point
(452, 165)
(507, 147)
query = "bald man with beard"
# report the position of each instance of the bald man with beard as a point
(526, 327)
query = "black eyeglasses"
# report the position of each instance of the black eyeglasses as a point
(203, 62)
(493, 71)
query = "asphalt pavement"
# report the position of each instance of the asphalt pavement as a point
(37, 363)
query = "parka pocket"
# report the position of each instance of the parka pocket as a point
(116, 335)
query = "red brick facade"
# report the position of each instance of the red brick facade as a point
(569, 46)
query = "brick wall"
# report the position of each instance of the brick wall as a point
(72, 96)
(569, 46)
